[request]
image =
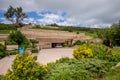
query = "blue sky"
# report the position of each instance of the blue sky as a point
(84, 13)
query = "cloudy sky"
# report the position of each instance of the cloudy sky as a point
(90, 13)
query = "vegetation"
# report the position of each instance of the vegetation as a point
(35, 50)
(25, 68)
(82, 52)
(90, 62)
(15, 15)
(2, 77)
(104, 53)
(2, 51)
(97, 64)
(18, 38)
(71, 69)
(11, 52)
(112, 34)
(34, 42)
(78, 42)
(6, 27)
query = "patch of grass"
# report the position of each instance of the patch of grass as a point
(45, 28)
(113, 75)
(94, 35)
(5, 31)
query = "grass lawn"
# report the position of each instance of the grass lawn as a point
(94, 35)
(4, 31)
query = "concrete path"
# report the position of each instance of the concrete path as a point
(45, 56)
(51, 55)
(5, 64)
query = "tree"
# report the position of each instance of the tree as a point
(15, 15)
(113, 35)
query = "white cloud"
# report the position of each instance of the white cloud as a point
(4, 20)
(29, 20)
(50, 18)
(87, 12)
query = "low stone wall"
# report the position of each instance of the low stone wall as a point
(3, 36)
(45, 45)
(11, 47)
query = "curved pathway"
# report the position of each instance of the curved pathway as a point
(51, 55)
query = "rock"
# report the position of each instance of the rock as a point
(116, 66)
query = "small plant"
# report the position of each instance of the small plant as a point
(2, 51)
(10, 42)
(34, 42)
(77, 32)
(82, 52)
(78, 42)
(35, 50)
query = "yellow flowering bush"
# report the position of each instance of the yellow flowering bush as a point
(82, 52)
(25, 68)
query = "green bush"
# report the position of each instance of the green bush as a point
(77, 32)
(17, 37)
(34, 42)
(2, 51)
(25, 68)
(72, 69)
(11, 52)
(6, 27)
(82, 52)
(99, 51)
(78, 42)
(105, 53)
(35, 50)
(10, 42)
(115, 55)
(2, 77)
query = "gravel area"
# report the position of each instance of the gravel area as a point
(44, 56)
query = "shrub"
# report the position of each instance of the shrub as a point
(115, 55)
(34, 42)
(6, 27)
(35, 50)
(82, 52)
(11, 52)
(99, 51)
(10, 42)
(77, 32)
(105, 53)
(2, 77)
(78, 42)
(72, 69)
(2, 51)
(17, 37)
(25, 68)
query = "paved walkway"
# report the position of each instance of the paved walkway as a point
(51, 55)
(6, 63)
(45, 56)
